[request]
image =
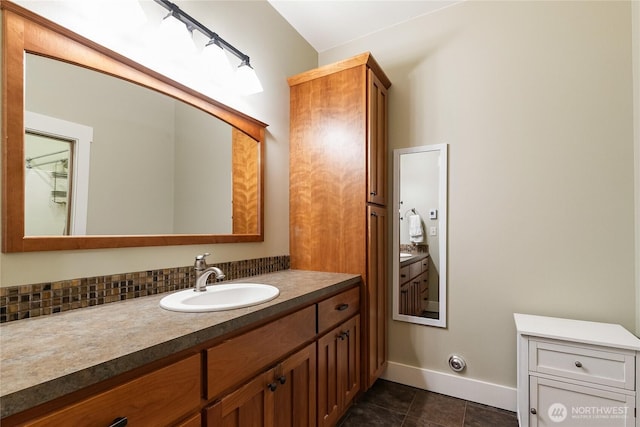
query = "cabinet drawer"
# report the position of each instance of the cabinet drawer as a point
(415, 269)
(584, 363)
(240, 358)
(338, 308)
(424, 264)
(158, 398)
(405, 274)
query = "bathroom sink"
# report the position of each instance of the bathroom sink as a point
(405, 255)
(220, 297)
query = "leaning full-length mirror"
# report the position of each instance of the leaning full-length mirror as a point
(420, 235)
(101, 152)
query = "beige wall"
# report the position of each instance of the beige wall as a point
(535, 100)
(635, 10)
(277, 52)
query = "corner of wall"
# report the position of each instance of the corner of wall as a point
(635, 46)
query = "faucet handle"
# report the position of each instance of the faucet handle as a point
(200, 263)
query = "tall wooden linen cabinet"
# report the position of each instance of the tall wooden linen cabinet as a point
(337, 185)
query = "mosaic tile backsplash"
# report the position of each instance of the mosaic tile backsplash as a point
(25, 301)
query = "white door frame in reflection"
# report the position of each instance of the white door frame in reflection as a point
(398, 213)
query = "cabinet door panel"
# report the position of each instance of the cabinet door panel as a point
(377, 140)
(328, 407)
(570, 405)
(244, 407)
(349, 360)
(338, 370)
(376, 294)
(295, 396)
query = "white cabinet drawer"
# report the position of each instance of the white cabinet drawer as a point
(569, 405)
(583, 363)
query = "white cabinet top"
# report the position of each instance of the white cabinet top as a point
(580, 331)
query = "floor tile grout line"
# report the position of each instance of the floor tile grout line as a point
(464, 413)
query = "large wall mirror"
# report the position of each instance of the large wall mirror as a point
(420, 235)
(101, 152)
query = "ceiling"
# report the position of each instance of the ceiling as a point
(326, 24)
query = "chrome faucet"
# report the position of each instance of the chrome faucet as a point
(203, 271)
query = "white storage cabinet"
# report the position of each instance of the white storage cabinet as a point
(576, 373)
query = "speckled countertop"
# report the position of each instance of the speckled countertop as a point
(47, 357)
(412, 259)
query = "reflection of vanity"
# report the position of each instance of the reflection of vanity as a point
(414, 284)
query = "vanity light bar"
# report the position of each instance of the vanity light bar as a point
(192, 24)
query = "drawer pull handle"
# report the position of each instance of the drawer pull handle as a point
(119, 422)
(343, 335)
(282, 379)
(374, 193)
(533, 411)
(578, 364)
(272, 386)
(342, 307)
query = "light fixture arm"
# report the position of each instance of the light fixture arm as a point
(193, 24)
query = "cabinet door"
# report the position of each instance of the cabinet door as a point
(570, 405)
(328, 406)
(338, 370)
(349, 360)
(283, 396)
(295, 395)
(376, 294)
(244, 407)
(377, 140)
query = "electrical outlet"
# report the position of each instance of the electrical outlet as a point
(433, 231)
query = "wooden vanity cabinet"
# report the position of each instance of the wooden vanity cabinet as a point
(337, 186)
(274, 375)
(414, 287)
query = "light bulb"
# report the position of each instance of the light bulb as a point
(247, 81)
(176, 36)
(215, 62)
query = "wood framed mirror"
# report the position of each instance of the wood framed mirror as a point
(198, 179)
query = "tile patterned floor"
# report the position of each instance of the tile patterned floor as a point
(389, 404)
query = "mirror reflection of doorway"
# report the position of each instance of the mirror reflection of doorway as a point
(48, 183)
(56, 154)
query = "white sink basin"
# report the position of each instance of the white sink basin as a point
(220, 297)
(405, 255)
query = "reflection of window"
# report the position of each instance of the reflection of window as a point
(56, 176)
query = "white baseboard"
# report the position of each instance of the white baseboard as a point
(453, 385)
